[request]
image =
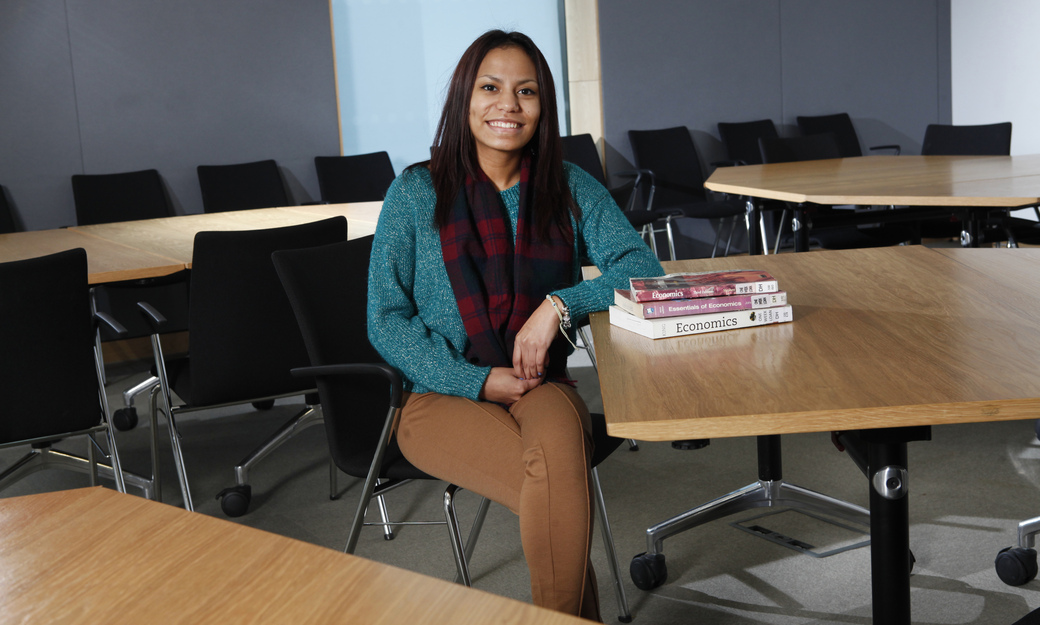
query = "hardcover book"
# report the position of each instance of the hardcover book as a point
(697, 324)
(696, 306)
(704, 284)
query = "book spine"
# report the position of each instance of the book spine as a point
(699, 324)
(707, 290)
(699, 306)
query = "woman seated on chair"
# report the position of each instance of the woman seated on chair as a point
(474, 289)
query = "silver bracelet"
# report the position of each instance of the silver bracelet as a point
(561, 311)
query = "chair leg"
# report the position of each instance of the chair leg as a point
(474, 533)
(175, 442)
(384, 515)
(457, 548)
(624, 614)
(370, 482)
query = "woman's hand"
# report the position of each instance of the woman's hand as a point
(531, 346)
(504, 387)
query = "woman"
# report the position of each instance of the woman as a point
(474, 282)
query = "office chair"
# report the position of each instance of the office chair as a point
(840, 124)
(741, 140)
(51, 370)
(244, 340)
(974, 226)
(129, 196)
(7, 220)
(360, 394)
(677, 182)
(581, 151)
(355, 178)
(241, 186)
(833, 228)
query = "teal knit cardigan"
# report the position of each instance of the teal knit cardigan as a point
(413, 319)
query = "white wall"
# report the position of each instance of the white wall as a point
(394, 59)
(996, 67)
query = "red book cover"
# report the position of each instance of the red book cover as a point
(697, 305)
(703, 284)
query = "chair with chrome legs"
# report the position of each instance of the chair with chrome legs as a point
(360, 394)
(51, 369)
(244, 341)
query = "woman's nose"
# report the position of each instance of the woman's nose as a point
(509, 102)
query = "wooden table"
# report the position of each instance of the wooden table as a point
(882, 338)
(921, 181)
(151, 248)
(96, 556)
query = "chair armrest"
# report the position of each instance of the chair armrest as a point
(152, 316)
(735, 163)
(639, 175)
(107, 319)
(894, 147)
(388, 372)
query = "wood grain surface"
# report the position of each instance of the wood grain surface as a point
(882, 337)
(97, 556)
(993, 181)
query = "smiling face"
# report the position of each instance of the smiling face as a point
(505, 105)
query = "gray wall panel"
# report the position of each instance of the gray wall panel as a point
(170, 86)
(38, 126)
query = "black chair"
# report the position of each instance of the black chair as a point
(581, 151)
(360, 394)
(50, 372)
(7, 220)
(741, 139)
(829, 227)
(677, 182)
(355, 178)
(242, 186)
(129, 196)
(109, 198)
(840, 124)
(973, 225)
(982, 140)
(244, 340)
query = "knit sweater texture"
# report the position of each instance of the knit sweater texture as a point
(413, 318)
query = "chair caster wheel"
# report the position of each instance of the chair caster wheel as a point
(234, 500)
(265, 404)
(648, 571)
(1016, 565)
(388, 536)
(125, 419)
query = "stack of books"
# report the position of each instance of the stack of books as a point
(691, 303)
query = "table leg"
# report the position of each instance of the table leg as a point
(890, 522)
(800, 228)
(752, 220)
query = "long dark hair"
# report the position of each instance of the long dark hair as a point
(454, 154)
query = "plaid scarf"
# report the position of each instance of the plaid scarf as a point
(497, 283)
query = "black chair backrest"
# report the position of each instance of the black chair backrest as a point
(581, 150)
(792, 149)
(355, 178)
(108, 198)
(241, 186)
(981, 140)
(48, 376)
(840, 124)
(328, 289)
(244, 337)
(7, 221)
(741, 139)
(671, 155)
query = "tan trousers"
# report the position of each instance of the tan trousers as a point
(532, 458)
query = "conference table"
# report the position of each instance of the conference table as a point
(889, 341)
(93, 555)
(152, 248)
(954, 182)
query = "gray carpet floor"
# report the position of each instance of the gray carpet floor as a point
(969, 487)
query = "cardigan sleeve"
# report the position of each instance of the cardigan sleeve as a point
(395, 326)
